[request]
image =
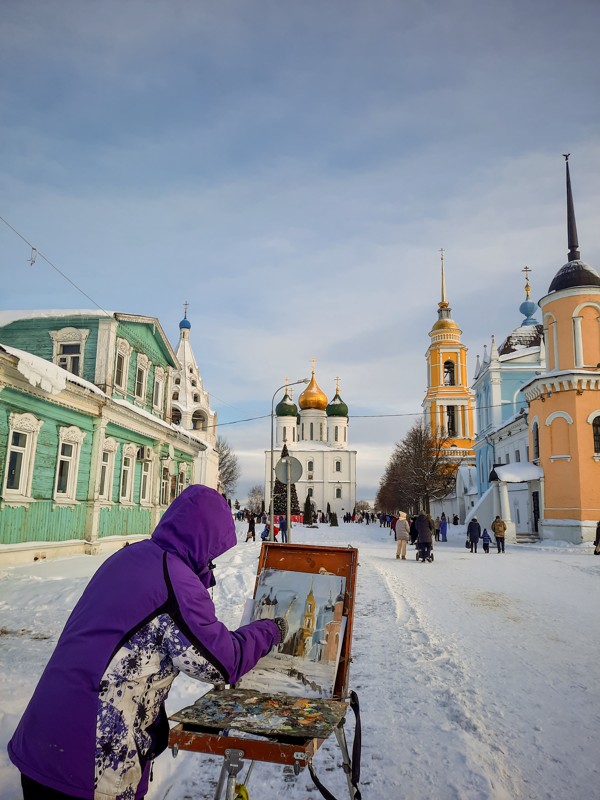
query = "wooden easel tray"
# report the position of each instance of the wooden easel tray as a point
(234, 710)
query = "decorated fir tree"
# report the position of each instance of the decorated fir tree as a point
(280, 493)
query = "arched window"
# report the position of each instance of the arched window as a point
(596, 431)
(310, 492)
(177, 381)
(449, 373)
(311, 431)
(175, 395)
(176, 416)
(535, 436)
(337, 433)
(338, 466)
(338, 493)
(309, 466)
(196, 398)
(198, 421)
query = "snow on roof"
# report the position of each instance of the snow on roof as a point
(6, 317)
(519, 473)
(48, 376)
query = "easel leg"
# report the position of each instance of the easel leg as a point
(232, 765)
(340, 735)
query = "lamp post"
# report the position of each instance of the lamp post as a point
(272, 481)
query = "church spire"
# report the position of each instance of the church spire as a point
(574, 254)
(444, 302)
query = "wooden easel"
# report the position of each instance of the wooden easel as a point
(278, 748)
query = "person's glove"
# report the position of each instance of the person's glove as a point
(283, 627)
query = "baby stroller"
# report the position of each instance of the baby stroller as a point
(428, 558)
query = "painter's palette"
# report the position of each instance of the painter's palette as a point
(264, 715)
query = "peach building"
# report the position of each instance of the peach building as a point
(564, 401)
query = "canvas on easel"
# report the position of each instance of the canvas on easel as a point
(303, 694)
(305, 663)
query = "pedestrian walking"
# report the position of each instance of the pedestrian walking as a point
(474, 533)
(499, 528)
(485, 540)
(283, 529)
(425, 528)
(251, 534)
(443, 528)
(401, 534)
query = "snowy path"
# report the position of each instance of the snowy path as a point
(420, 672)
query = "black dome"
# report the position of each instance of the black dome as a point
(574, 273)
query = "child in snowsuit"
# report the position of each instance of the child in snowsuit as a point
(486, 539)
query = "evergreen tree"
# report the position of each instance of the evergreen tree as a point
(333, 520)
(308, 511)
(280, 493)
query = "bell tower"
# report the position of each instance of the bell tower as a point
(449, 402)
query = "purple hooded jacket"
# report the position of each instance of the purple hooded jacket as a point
(96, 719)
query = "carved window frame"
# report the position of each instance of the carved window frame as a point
(109, 449)
(71, 437)
(29, 426)
(158, 390)
(142, 368)
(69, 336)
(128, 462)
(123, 350)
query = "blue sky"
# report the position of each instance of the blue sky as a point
(291, 169)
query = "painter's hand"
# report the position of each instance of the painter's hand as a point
(283, 627)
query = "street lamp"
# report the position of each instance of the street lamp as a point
(272, 481)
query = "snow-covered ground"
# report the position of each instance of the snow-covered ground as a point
(478, 675)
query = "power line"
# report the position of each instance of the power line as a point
(35, 252)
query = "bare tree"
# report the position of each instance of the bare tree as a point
(256, 498)
(229, 467)
(362, 506)
(420, 469)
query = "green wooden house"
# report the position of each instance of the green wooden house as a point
(89, 456)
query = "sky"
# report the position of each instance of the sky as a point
(477, 675)
(292, 170)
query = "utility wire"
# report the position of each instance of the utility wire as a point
(54, 267)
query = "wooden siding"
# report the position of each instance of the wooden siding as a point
(42, 521)
(120, 520)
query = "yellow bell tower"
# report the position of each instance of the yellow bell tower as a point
(449, 402)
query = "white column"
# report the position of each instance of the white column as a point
(504, 504)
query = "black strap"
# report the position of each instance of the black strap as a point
(356, 753)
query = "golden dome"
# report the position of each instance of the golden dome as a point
(447, 323)
(312, 396)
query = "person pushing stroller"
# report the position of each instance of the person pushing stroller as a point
(424, 526)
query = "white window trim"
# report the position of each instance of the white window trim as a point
(29, 425)
(129, 451)
(110, 446)
(158, 390)
(69, 336)
(75, 437)
(143, 364)
(124, 349)
(146, 500)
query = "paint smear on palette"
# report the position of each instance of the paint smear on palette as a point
(261, 714)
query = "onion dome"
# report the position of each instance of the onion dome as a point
(337, 407)
(575, 272)
(185, 324)
(312, 396)
(286, 407)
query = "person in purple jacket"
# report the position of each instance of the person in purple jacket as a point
(97, 718)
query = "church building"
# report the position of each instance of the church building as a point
(564, 400)
(316, 433)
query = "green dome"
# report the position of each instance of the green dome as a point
(286, 407)
(337, 407)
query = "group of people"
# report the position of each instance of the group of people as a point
(474, 534)
(279, 527)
